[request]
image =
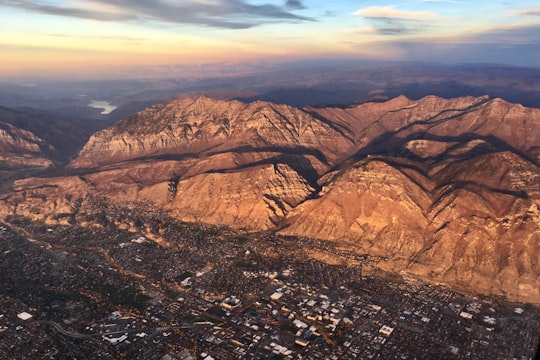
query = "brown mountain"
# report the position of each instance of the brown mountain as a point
(204, 127)
(20, 148)
(448, 190)
(66, 134)
(22, 152)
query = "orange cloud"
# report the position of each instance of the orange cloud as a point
(392, 13)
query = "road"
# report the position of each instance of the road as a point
(56, 326)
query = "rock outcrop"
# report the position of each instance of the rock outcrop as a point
(387, 127)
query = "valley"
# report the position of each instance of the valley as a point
(140, 285)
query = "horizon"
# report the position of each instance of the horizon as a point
(105, 39)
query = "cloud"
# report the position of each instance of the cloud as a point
(85, 13)
(529, 13)
(390, 12)
(112, 37)
(399, 30)
(295, 4)
(508, 36)
(230, 14)
(389, 21)
(392, 29)
(518, 46)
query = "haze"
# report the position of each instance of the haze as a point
(98, 38)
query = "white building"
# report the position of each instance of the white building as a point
(24, 316)
(466, 315)
(276, 296)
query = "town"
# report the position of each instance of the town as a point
(143, 286)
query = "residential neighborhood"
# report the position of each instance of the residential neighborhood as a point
(208, 293)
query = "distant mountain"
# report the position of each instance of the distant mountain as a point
(33, 140)
(20, 148)
(447, 189)
(22, 153)
(66, 134)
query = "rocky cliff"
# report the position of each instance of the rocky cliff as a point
(448, 190)
(21, 148)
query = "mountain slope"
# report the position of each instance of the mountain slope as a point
(66, 134)
(475, 223)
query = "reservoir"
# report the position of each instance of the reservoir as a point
(105, 105)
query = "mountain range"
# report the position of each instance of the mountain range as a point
(445, 189)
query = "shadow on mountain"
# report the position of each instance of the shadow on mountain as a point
(297, 162)
(471, 185)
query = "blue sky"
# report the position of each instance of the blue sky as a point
(62, 35)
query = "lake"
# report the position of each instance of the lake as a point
(105, 105)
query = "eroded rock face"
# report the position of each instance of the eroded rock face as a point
(21, 148)
(258, 198)
(472, 224)
(387, 127)
(207, 127)
(448, 190)
(371, 204)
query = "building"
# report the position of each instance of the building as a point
(386, 330)
(24, 316)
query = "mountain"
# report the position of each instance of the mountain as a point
(424, 126)
(21, 153)
(445, 189)
(67, 134)
(22, 148)
(208, 127)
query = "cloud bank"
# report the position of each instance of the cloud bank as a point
(229, 14)
(387, 20)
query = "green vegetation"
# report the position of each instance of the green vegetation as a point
(128, 296)
(183, 276)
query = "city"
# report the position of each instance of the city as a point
(142, 286)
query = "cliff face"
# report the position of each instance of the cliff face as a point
(433, 126)
(448, 190)
(20, 148)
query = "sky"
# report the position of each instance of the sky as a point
(58, 36)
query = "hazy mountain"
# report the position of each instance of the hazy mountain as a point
(297, 83)
(66, 134)
(447, 189)
(22, 148)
